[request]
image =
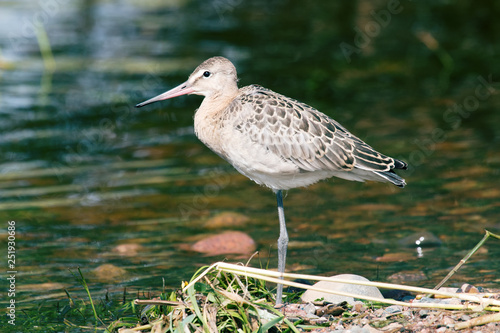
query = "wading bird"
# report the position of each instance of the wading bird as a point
(275, 140)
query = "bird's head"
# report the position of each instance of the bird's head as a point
(215, 77)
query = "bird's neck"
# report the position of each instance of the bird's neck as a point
(209, 119)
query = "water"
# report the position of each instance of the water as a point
(82, 171)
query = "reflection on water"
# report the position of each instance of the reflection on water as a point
(84, 173)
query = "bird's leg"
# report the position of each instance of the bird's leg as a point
(282, 245)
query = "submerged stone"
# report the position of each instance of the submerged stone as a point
(108, 272)
(407, 277)
(229, 242)
(226, 219)
(129, 250)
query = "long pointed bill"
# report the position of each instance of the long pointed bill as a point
(182, 89)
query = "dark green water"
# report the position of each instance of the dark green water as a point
(82, 171)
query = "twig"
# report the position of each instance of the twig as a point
(157, 302)
(270, 276)
(491, 318)
(464, 260)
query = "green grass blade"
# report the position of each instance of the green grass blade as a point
(196, 308)
(267, 326)
(86, 287)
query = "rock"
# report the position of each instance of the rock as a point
(330, 310)
(423, 313)
(448, 290)
(469, 289)
(379, 313)
(311, 296)
(229, 242)
(108, 272)
(392, 327)
(465, 317)
(129, 250)
(309, 308)
(41, 286)
(225, 220)
(396, 257)
(407, 276)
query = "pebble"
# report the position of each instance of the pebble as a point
(465, 317)
(310, 309)
(407, 314)
(448, 322)
(423, 313)
(358, 307)
(379, 313)
(454, 301)
(392, 327)
(469, 289)
(393, 309)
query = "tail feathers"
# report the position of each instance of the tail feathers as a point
(392, 176)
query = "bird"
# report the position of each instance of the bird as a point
(276, 141)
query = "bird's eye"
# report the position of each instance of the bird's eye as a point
(207, 74)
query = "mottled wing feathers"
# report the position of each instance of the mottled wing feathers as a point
(302, 134)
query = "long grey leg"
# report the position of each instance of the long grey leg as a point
(282, 245)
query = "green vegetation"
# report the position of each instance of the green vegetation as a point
(222, 302)
(224, 298)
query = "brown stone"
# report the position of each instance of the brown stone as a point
(396, 257)
(108, 272)
(226, 219)
(229, 242)
(407, 276)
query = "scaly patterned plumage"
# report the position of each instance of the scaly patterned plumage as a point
(310, 145)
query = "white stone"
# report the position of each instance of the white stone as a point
(311, 296)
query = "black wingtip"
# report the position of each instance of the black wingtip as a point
(400, 165)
